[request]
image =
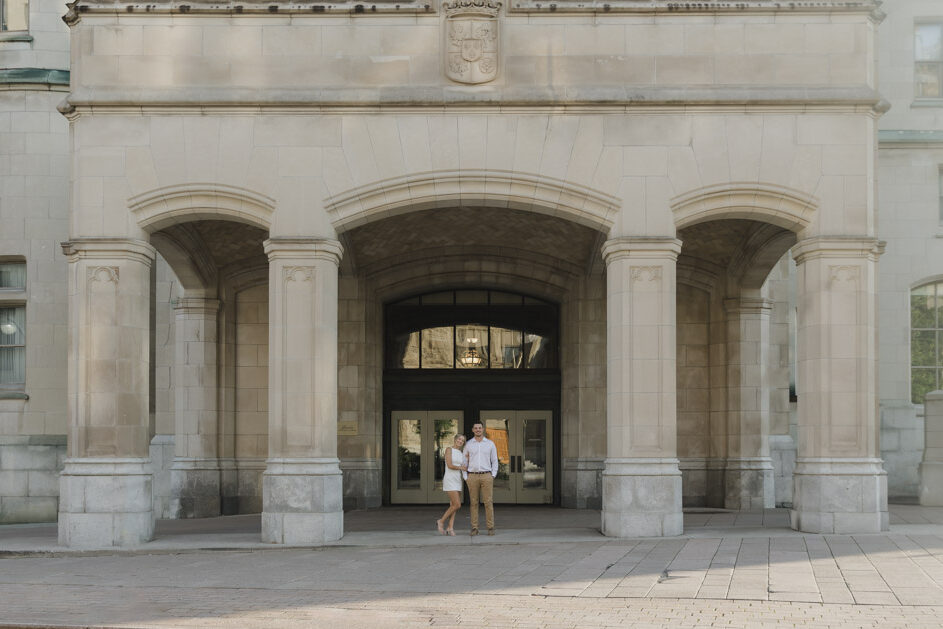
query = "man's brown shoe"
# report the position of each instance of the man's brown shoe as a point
(474, 532)
(490, 531)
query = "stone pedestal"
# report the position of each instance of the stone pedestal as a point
(303, 501)
(839, 483)
(195, 474)
(930, 490)
(302, 491)
(840, 495)
(641, 483)
(105, 502)
(748, 474)
(105, 488)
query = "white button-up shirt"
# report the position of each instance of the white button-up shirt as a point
(482, 456)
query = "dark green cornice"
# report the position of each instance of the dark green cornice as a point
(34, 76)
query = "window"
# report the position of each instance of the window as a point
(926, 340)
(473, 329)
(14, 15)
(940, 186)
(12, 325)
(928, 60)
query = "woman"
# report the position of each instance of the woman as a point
(452, 483)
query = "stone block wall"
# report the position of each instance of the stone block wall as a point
(251, 395)
(29, 477)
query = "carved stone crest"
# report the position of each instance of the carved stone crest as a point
(471, 40)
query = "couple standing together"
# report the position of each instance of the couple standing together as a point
(478, 465)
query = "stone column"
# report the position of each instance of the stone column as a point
(302, 489)
(931, 469)
(195, 473)
(839, 483)
(748, 474)
(105, 486)
(641, 485)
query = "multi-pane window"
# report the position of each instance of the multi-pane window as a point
(928, 60)
(14, 15)
(12, 325)
(471, 329)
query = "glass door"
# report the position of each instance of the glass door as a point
(419, 440)
(525, 455)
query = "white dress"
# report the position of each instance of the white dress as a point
(452, 480)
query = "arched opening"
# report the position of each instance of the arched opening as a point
(458, 314)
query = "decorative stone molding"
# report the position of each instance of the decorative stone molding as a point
(555, 7)
(838, 247)
(162, 207)
(495, 188)
(640, 247)
(108, 249)
(306, 248)
(785, 207)
(471, 35)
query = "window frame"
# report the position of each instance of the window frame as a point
(4, 4)
(936, 98)
(16, 297)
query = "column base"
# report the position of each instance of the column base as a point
(748, 483)
(582, 483)
(194, 488)
(641, 498)
(930, 489)
(302, 501)
(105, 502)
(839, 496)
(362, 483)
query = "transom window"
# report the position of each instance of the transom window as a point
(928, 60)
(926, 340)
(14, 15)
(471, 329)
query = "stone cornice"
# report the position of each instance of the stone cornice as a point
(846, 247)
(386, 7)
(612, 98)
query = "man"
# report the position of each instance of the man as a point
(482, 457)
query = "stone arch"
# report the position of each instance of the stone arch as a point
(784, 207)
(452, 188)
(159, 208)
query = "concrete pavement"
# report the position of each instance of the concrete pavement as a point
(546, 567)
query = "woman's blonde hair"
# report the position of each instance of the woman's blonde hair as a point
(459, 435)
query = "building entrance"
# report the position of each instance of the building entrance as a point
(524, 441)
(456, 357)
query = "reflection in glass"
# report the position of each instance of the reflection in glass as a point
(497, 431)
(14, 15)
(437, 344)
(445, 431)
(471, 346)
(12, 275)
(404, 351)
(537, 351)
(535, 454)
(505, 348)
(928, 42)
(923, 307)
(409, 453)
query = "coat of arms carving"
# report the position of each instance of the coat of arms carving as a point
(471, 40)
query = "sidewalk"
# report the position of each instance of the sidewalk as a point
(545, 567)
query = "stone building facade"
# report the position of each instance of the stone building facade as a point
(307, 241)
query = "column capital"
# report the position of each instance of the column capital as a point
(838, 247)
(109, 248)
(196, 305)
(312, 248)
(750, 305)
(646, 247)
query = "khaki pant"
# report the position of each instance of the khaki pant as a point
(481, 485)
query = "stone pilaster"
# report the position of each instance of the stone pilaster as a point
(195, 473)
(641, 485)
(105, 486)
(748, 473)
(930, 489)
(302, 489)
(839, 483)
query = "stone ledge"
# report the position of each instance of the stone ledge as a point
(421, 97)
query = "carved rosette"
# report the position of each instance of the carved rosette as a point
(471, 38)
